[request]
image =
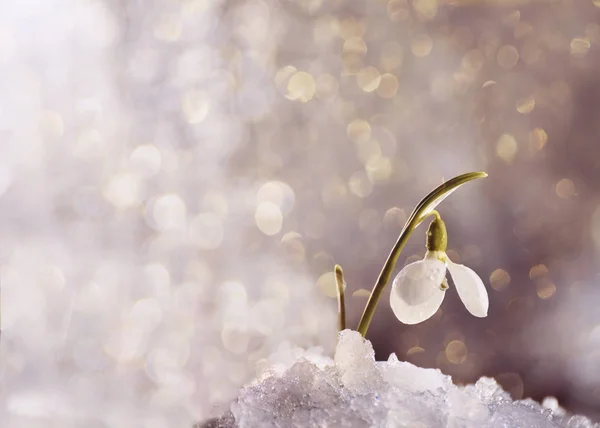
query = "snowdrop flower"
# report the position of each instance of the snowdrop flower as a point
(419, 289)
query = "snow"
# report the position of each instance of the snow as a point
(353, 390)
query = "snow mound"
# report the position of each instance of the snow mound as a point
(353, 390)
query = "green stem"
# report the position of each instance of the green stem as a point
(339, 279)
(423, 209)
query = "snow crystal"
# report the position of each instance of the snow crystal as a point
(353, 390)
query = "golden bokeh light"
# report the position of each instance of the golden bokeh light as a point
(421, 45)
(456, 352)
(368, 79)
(398, 10)
(580, 47)
(538, 139)
(379, 169)
(146, 160)
(414, 350)
(282, 77)
(294, 247)
(124, 190)
(169, 212)
(351, 27)
(394, 218)
(545, 288)
(268, 218)
(301, 87)
(499, 279)
(538, 271)
(507, 57)
(355, 45)
(359, 131)
(388, 87)
(327, 284)
(426, 9)
(565, 188)
(526, 105)
(362, 293)
(506, 148)
(278, 193)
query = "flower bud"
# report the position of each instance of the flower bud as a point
(437, 238)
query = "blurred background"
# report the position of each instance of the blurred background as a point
(178, 178)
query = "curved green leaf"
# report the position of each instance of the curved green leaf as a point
(421, 211)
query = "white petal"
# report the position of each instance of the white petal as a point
(416, 294)
(470, 289)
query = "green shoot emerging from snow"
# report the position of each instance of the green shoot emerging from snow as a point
(419, 288)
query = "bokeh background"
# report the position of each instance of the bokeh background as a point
(178, 178)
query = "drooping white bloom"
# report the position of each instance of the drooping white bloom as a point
(419, 289)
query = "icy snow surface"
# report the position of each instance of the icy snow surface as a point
(353, 390)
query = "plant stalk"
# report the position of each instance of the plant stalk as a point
(423, 209)
(339, 280)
